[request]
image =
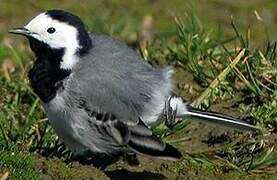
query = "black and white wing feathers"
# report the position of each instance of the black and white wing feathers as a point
(135, 136)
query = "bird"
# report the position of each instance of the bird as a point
(100, 95)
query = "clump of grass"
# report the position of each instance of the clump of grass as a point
(18, 164)
(225, 69)
(249, 156)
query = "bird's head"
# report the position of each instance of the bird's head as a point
(57, 31)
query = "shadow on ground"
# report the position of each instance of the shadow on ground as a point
(125, 174)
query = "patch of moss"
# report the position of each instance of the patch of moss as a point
(56, 169)
(20, 165)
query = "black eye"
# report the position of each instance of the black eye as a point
(51, 30)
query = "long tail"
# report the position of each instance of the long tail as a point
(214, 117)
(184, 109)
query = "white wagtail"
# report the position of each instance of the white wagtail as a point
(100, 95)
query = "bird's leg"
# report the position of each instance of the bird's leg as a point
(170, 114)
(131, 158)
(72, 158)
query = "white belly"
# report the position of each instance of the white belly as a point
(71, 126)
(63, 122)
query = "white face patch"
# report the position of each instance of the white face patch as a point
(65, 36)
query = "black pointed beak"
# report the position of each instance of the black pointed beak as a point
(20, 31)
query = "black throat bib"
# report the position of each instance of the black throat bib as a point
(46, 76)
